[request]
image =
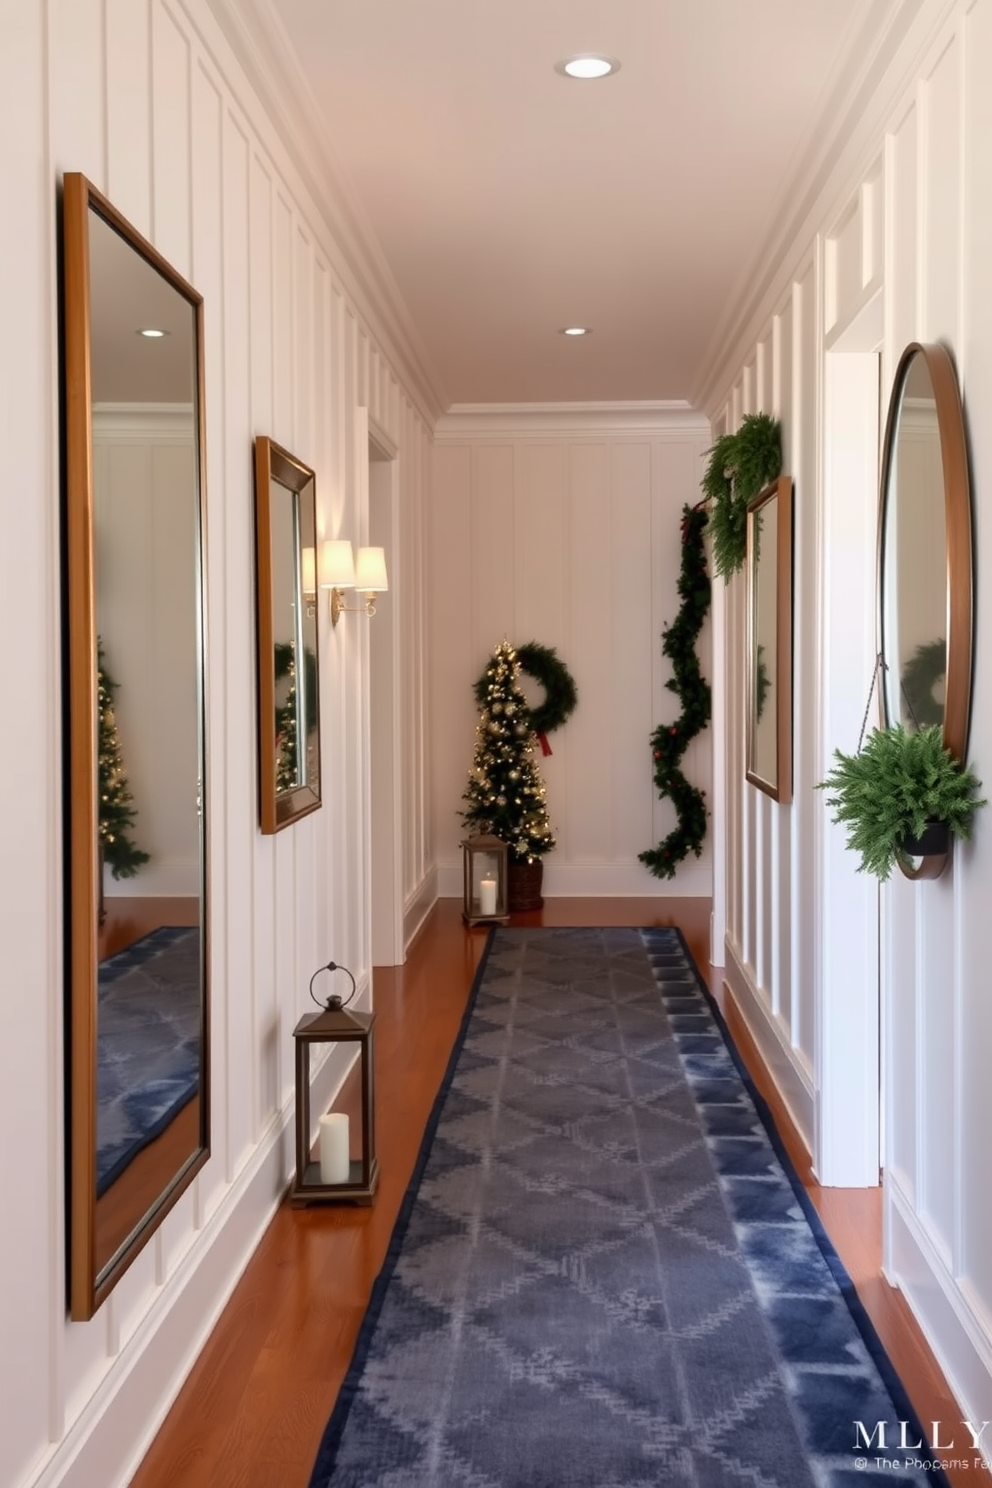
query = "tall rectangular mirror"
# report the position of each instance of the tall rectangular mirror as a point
(768, 720)
(137, 1107)
(286, 629)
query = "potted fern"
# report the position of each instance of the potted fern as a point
(902, 795)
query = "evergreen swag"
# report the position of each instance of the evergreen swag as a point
(506, 794)
(670, 741)
(116, 812)
(740, 465)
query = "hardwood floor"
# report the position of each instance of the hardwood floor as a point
(253, 1409)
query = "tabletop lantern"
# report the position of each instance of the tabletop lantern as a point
(345, 1167)
(485, 859)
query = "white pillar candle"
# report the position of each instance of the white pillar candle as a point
(335, 1162)
(487, 896)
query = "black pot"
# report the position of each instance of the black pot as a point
(934, 842)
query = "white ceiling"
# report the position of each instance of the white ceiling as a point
(508, 201)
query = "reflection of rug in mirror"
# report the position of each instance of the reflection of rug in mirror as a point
(148, 1043)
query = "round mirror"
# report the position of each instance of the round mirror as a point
(925, 556)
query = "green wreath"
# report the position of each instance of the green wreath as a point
(547, 668)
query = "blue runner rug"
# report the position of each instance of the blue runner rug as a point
(604, 1273)
(148, 1044)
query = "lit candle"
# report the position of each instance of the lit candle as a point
(335, 1162)
(487, 896)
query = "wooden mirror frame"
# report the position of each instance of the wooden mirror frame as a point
(89, 1280)
(778, 786)
(280, 808)
(959, 555)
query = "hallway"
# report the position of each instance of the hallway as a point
(254, 1407)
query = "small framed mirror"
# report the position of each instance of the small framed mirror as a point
(925, 585)
(137, 1106)
(288, 674)
(768, 721)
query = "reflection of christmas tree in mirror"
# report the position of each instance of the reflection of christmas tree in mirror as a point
(506, 794)
(287, 715)
(116, 810)
(761, 681)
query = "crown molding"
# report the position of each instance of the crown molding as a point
(669, 419)
(260, 46)
(883, 48)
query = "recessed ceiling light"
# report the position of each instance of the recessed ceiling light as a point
(151, 332)
(589, 65)
(576, 330)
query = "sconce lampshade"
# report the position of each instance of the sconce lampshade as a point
(309, 573)
(337, 565)
(370, 571)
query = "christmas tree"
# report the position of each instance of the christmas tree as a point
(116, 810)
(506, 794)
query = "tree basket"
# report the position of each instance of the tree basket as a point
(524, 885)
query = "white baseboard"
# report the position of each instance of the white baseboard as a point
(958, 1336)
(598, 881)
(108, 1441)
(420, 904)
(791, 1080)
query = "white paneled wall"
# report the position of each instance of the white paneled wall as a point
(145, 98)
(829, 971)
(564, 528)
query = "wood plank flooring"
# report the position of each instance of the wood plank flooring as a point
(253, 1409)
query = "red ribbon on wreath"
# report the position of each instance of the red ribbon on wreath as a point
(542, 739)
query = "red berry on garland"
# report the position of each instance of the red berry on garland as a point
(673, 731)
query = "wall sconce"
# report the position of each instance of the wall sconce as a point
(340, 569)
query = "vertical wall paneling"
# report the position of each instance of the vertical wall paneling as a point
(236, 562)
(900, 246)
(847, 1053)
(129, 122)
(588, 793)
(938, 1034)
(975, 925)
(942, 214)
(807, 758)
(75, 86)
(573, 541)
(493, 548)
(633, 645)
(143, 98)
(207, 273)
(171, 139)
(31, 1403)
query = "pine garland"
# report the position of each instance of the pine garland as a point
(670, 741)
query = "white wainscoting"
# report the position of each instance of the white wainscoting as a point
(563, 526)
(147, 98)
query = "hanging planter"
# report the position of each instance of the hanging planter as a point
(903, 795)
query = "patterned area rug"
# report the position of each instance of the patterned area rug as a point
(602, 1276)
(148, 1044)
